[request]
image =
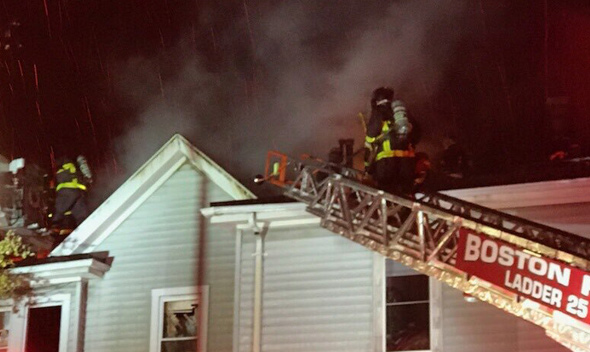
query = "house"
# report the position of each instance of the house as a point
(182, 244)
(317, 291)
(169, 268)
(53, 319)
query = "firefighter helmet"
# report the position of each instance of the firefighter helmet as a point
(381, 96)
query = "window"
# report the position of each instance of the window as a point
(4, 330)
(42, 325)
(407, 310)
(43, 329)
(47, 323)
(179, 317)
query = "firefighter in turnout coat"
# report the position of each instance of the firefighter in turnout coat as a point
(390, 140)
(70, 197)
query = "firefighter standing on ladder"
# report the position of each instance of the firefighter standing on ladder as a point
(390, 140)
(70, 198)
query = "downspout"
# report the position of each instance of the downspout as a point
(237, 290)
(258, 272)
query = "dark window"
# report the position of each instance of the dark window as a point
(408, 313)
(43, 325)
(180, 326)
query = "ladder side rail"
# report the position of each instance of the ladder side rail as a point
(434, 199)
(495, 230)
(552, 240)
(491, 229)
(325, 207)
(548, 241)
(374, 218)
(549, 236)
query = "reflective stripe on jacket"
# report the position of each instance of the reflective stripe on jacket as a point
(66, 177)
(384, 149)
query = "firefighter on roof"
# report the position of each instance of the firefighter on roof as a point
(390, 140)
(71, 185)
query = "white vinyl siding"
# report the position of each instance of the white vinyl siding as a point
(157, 246)
(317, 293)
(568, 217)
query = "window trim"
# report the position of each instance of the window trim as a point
(18, 320)
(161, 295)
(57, 300)
(434, 299)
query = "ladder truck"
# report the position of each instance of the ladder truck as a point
(535, 272)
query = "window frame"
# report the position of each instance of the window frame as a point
(57, 300)
(163, 295)
(433, 292)
(18, 320)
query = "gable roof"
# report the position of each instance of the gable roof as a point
(143, 183)
(527, 194)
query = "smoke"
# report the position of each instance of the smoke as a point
(290, 76)
(180, 103)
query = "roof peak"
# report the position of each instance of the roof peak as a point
(145, 181)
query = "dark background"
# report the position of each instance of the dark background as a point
(113, 79)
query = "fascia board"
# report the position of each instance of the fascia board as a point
(267, 215)
(52, 273)
(283, 223)
(252, 208)
(527, 194)
(264, 217)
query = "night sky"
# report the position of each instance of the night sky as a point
(114, 79)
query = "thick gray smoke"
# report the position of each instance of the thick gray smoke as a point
(291, 76)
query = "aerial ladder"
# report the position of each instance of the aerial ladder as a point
(427, 233)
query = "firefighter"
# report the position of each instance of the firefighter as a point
(390, 140)
(70, 197)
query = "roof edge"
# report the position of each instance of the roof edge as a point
(216, 173)
(251, 208)
(532, 194)
(63, 272)
(142, 183)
